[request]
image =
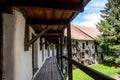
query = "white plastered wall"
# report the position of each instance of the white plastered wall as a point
(8, 46)
(17, 62)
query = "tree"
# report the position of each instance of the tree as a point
(110, 27)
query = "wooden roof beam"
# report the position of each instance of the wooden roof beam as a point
(39, 35)
(50, 36)
(47, 22)
(49, 32)
(53, 40)
(47, 4)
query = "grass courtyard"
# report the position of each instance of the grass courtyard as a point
(103, 68)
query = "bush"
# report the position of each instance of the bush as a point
(117, 60)
(109, 58)
(118, 71)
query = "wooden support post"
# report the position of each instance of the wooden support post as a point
(69, 52)
(39, 35)
(61, 51)
(57, 47)
(40, 43)
(26, 38)
(1, 45)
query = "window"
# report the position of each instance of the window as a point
(96, 49)
(92, 47)
(83, 45)
(86, 43)
(82, 55)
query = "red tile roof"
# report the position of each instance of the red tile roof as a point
(91, 31)
(83, 33)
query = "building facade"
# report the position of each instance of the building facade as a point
(84, 48)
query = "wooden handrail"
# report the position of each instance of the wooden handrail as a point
(91, 72)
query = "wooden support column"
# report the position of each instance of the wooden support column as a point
(57, 47)
(1, 45)
(69, 52)
(61, 51)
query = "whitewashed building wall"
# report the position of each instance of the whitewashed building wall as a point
(17, 63)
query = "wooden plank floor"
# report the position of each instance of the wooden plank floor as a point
(49, 71)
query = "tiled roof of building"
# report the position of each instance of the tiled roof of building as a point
(83, 33)
(90, 31)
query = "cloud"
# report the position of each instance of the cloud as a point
(90, 19)
(99, 3)
(91, 14)
(95, 5)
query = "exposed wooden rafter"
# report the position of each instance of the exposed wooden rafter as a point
(44, 14)
(53, 14)
(47, 22)
(72, 16)
(46, 4)
(61, 15)
(39, 35)
(52, 34)
(49, 32)
(52, 40)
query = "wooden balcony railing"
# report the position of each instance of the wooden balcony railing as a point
(91, 72)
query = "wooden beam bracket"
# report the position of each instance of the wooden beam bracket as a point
(39, 35)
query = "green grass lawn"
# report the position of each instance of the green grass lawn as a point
(104, 68)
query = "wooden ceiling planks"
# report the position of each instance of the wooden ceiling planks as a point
(67, 15)
(49, 14)
(39, 12)
(57, 13)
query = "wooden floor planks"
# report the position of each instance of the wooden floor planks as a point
(49, 71)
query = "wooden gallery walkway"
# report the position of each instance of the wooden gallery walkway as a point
(49, 71)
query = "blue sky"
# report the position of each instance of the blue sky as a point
(91, 14)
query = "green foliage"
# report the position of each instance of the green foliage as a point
(115, 48)
(109, 58)
(117, 60)
(110, 27)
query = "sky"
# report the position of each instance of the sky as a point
(91, 14)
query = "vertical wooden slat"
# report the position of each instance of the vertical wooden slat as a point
(61, 52)
(69, 52)
(1, 45)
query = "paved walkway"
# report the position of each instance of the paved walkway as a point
(49, 71)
